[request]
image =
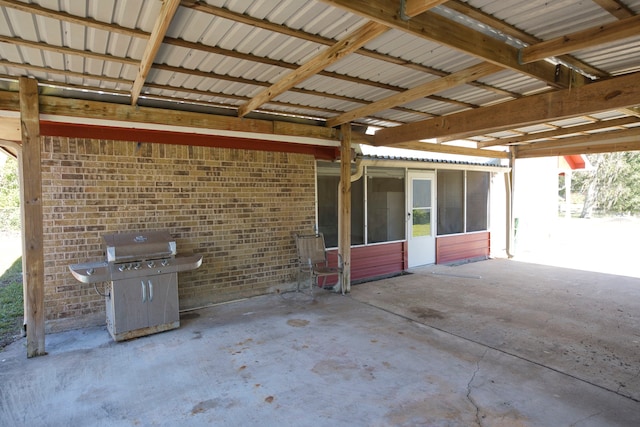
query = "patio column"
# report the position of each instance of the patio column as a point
(32, 218)
(344, 221)
(509, 184)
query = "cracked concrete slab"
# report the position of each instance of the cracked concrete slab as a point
(330, 361)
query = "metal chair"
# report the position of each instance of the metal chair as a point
(312, 258)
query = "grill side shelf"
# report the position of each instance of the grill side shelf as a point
(91, 272)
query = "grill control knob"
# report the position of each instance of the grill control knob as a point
(90, 271)
(121, 267)
(136, 266)
(165, 262)
(151, 264)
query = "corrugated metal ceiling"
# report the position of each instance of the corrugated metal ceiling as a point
(225, 56)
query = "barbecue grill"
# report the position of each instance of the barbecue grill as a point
(140, 272)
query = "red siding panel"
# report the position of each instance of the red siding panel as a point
(462, 247)
(369, 262)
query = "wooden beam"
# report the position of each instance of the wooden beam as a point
(10, 129)
(65, 51)
(298, 33)
(97, 110)
(583, 144)
(601, 124)
(517, 33)
(453, 149)
(615, 7)
(590, 37)
(344, 234)
(607, 142)
(160, 28)
(32, 225)
(326, 57)
(611, 94)
(411, 8)
(64, 72)
(439, 29)
(461, 77)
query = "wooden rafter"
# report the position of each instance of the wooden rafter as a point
(232, 79)
(590, 37)
(615, 7)
(510, 30)
(434, 27)
(429, 88)
(344, 47)
(411, 8)
(160, 28)
(67, 51)
(67, 73)
(303, 35)
(620, 140)
(452, 149)
(67, 17)
(619, 92)
(290, 66)
(601, 124)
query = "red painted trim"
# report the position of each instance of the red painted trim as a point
(575, 161)
(75, 130)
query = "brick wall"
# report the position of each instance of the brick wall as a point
(237, 208)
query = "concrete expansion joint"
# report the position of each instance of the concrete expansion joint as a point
(582, 420)
(473, 377)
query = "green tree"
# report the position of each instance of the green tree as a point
(9, 184)
(611, 186)
(9, 195)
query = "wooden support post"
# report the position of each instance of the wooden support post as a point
(509, 184)
(344, 232)
(32, 218)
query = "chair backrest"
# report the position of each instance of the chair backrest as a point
(311, 248)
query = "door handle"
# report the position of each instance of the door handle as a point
(150, 291)
(144, 291)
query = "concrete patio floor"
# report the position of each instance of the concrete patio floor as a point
(492, 343)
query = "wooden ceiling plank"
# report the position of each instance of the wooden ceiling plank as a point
(344, 47)
(66, 17)
(439, 29)
(610, 94)
(468, 74)
(411, 8)
(602, 124)
(167, 10)
(590, 37)
(615, 7)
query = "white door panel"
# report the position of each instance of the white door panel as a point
(421, 219)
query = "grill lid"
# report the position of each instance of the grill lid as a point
(126, 247)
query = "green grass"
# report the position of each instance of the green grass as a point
(421, 230)
(11, 303)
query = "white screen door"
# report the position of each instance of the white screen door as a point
(421, 219)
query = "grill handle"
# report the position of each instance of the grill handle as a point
(144, 291)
